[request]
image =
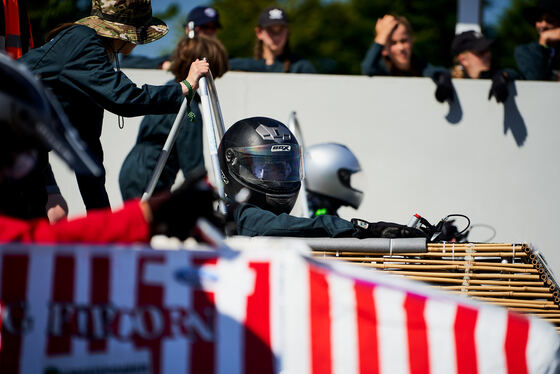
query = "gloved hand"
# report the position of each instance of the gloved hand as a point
(365, 229)
(444, 90)
(175, 214)
(499, 87)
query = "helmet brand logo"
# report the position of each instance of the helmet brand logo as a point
(281, 148)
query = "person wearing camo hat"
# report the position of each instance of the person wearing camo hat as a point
(77, 64)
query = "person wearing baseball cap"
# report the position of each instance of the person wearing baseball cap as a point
(471, 51)
(473, 59)
(540, 60)
(272, 47)
(77, 65)
(203, 20)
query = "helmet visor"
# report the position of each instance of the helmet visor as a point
(270, 164)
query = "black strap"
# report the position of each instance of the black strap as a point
(2, 20)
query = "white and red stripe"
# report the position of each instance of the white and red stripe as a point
(266, 310)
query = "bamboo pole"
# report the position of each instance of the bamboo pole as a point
(445, 267)
(496, 288)
(539, 303)
(541, 295)
(425, 254)
(426, 261)
(472, 275)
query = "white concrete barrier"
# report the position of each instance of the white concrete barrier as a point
(492, 162)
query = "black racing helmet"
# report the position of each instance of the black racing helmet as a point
(263, 156)
(31, 120)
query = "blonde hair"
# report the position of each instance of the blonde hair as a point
(401, 20)
(188, 50)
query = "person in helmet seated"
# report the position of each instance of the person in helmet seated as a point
(32, 123)
(333, 178)
(261, 158)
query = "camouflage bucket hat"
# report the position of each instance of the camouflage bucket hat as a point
(129, 20)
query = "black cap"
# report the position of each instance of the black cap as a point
(202, 15)
(273, 16)
(470, 41)
(551, 7)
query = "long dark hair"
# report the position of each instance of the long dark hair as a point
(188, 50)
(107, 42)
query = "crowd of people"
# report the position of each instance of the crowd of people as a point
(78, 81)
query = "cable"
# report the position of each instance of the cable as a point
(459, 215)
(488, 227)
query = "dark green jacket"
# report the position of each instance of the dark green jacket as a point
(374, 64)
(186, 154)
(536, 62)
(250, 64)
(142, 62)
(77, 68)
(254, 221)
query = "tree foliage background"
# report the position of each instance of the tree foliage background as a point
(333, 34)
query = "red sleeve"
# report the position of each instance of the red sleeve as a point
(126, 225)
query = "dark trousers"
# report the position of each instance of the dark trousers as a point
(93, 192)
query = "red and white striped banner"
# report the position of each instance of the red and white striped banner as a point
(266, 309)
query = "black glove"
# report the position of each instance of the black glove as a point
(175, 214)
(444, 90)
(499, 87)
(365, 229)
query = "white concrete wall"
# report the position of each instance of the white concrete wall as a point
(495, 163)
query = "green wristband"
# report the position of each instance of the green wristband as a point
(190, 94)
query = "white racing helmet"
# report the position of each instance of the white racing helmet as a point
(333, 171)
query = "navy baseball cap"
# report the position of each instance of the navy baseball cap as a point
(272, 16)
(470, 41)
(202, 15)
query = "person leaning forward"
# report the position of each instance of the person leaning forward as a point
(77, 64)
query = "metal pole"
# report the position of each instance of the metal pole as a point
(293, 125)
(213, 141)
(166, 149)
(216, 109)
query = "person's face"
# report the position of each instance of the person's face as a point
(399, 48)
(274, 37)
(476, 62)
(123, 47)
(546, 22)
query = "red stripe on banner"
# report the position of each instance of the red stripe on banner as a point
(149, 294)
(517, 337)
(465, 346)
(99, 281)
(13, 299)
(258, 352)
(320, 321)
(417, 333)
(62, 293)
(368, 345)
(204, 303)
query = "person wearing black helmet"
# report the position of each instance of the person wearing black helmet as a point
(333, 178)
(540, 60)
(31, 123)
(261, 158)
